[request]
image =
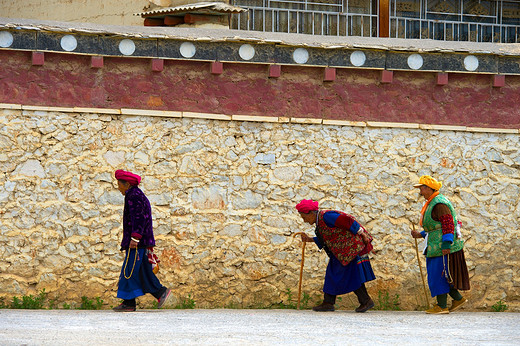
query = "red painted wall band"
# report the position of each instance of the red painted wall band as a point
(67, 80)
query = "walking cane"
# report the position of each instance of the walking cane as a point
(420, 268)
(301, 270)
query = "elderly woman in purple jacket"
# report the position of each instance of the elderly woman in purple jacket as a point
(137, 277)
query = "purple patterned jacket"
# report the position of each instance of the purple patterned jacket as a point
(137, 219)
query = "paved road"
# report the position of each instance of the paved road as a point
(255, 327)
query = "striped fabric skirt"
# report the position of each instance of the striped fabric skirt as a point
(340, 279)
(137, 277)
(447, 272)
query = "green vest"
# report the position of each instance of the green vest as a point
(434, 230)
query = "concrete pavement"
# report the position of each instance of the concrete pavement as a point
(255, 327)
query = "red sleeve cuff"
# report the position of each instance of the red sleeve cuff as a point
(136, 235)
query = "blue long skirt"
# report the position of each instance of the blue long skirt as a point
(340, 279)
(437, 282)
(141, 280)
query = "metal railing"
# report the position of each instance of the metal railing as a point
(305, 22)
(456, 20)
(453, 31)
(304, 17)
(410, 19)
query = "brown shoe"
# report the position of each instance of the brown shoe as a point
(324, 307)
(457, 304)
(364, 307)
(437, 310)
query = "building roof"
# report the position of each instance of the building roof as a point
(199, 7)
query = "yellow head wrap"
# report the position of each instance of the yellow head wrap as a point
(430, 182)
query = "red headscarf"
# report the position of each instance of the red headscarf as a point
(130, 177)
(306, 206)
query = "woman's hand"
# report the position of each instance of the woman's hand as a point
(364, 236)
(416, 234)
(306, 238)
(133, 244)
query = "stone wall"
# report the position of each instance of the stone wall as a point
(223, 196)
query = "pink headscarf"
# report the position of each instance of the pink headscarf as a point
(306, 206)
(132, 178)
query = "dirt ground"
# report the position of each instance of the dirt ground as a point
(255, 327)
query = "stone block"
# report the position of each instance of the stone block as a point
(442, 78)
(255, 118)
(306, 121)
(213, 197)
(31, 168)
(96, 110)
(392, 125)
(206, 116)
(344, 122)
(265, 159)
(38, 58)
(499, 81)
(151, 113)
(387, 77)
(48, 109)
(96, 62)
(329, 74)
(10, 106)
(216, 67)
(157, 65)
(275, 71)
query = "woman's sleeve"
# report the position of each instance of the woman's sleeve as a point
(334, 219)
(318, 242)
(136, 216)
(442, 213)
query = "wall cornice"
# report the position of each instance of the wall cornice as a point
(253, 118)
(236, 46)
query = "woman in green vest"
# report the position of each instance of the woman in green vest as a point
(445, 262)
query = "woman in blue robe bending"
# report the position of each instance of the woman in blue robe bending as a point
(347, 244)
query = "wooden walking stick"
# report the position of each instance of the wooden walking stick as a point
(301, 270)
(420, 268)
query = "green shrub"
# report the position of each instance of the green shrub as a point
(289, 304)
(186, 303)
(384, 302)
(89, 304)
(499, 306)
(30, 301)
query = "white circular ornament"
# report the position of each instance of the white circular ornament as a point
(187, 49)
(127, 47)
(69, 43)
(300, 55)
(246, 52)
(415, 61)
(6, 39)
(471, 63)
(358, 58)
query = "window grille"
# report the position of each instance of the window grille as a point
(328, 17)
(450, 20)
(456, 20)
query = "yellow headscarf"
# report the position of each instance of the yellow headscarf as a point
(430, 182)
